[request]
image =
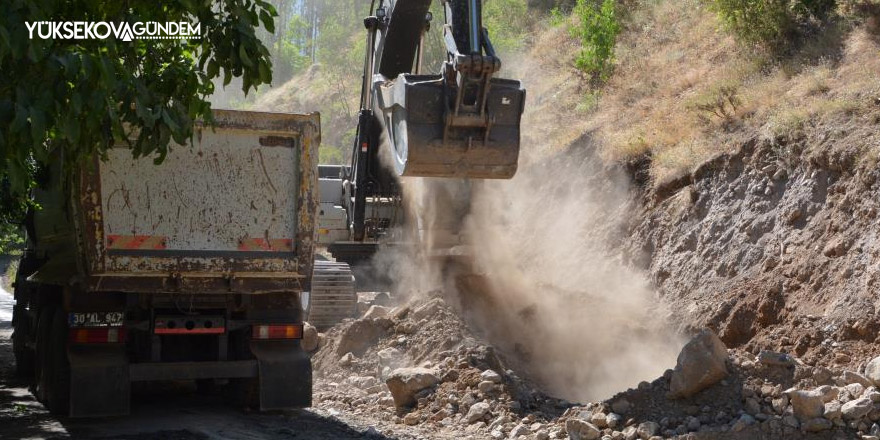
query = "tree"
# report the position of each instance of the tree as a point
(76, 97)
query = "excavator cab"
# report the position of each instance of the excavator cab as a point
(460, 122)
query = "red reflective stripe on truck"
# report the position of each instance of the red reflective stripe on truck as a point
(184, 331)
(136, 242)
(278, 331)
(261, 244)
(103, 335)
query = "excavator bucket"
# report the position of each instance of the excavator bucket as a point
(428, 135)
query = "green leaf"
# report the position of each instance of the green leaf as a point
(213, 69)
(242, 54)
(265, 73)
(268, 21)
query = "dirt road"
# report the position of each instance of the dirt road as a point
(173, 412)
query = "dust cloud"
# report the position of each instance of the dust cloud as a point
(584, 323)
(534, 265)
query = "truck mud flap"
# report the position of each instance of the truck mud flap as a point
(99, 381)
(285, 375)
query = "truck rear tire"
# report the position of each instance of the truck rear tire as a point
(24, 355)
(58, 400)
(243, 392)
(41, 357)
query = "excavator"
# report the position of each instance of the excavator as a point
(460, 122)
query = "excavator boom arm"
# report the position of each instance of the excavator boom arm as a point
(461, 122)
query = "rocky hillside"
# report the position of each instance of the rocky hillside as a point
(724, 192)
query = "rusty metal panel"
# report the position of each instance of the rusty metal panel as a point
(221, 194)
(232, 212)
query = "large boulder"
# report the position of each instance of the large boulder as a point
(477, 412)
(856, 409)
(404, 383)
(872, 371)
(581, 429)
(310, 337)
(376, 312)
(850, 377)
(359, 336)
(701, 363)
(807, 405)
(430, 308)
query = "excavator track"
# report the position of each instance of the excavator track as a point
(333, 297)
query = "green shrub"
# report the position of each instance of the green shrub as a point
(557, 17)
(597, 29)
(774, 23)
(506, 21)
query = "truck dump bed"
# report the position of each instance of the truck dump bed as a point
(232, 212)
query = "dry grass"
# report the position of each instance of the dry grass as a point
(684, 90)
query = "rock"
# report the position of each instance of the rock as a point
(855, 390)
(752, 406)
(404, 383)
(363, 382)
(873, 394)
(310, 337)
(519, 430)
(872, 371)
(359, 336)
(491, 376)
(542, 435)
(477, 412)
(375, 312)
(779, 404)
(486, 386)
(828, 392)
(772, 358)
(853, 377)
(411, 419)
(347, 359)
(791, 421)
(599, 419)
(450, 376)
(806, 404)
(621, 406)
(430, 308)
(741, 423)
(613, 420)
(817, 424)
(648, 429)
(822, 375)
(581, 430)
(834, 248)
(701, 363)
(856, 409)
(693, 423)
(832, 410)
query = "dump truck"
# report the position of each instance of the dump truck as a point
(192, 269)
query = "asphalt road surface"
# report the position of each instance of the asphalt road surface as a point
(172, 412)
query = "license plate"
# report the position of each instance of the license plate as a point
(96, 319)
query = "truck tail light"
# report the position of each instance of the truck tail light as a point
(278, 331)
(104, 335)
